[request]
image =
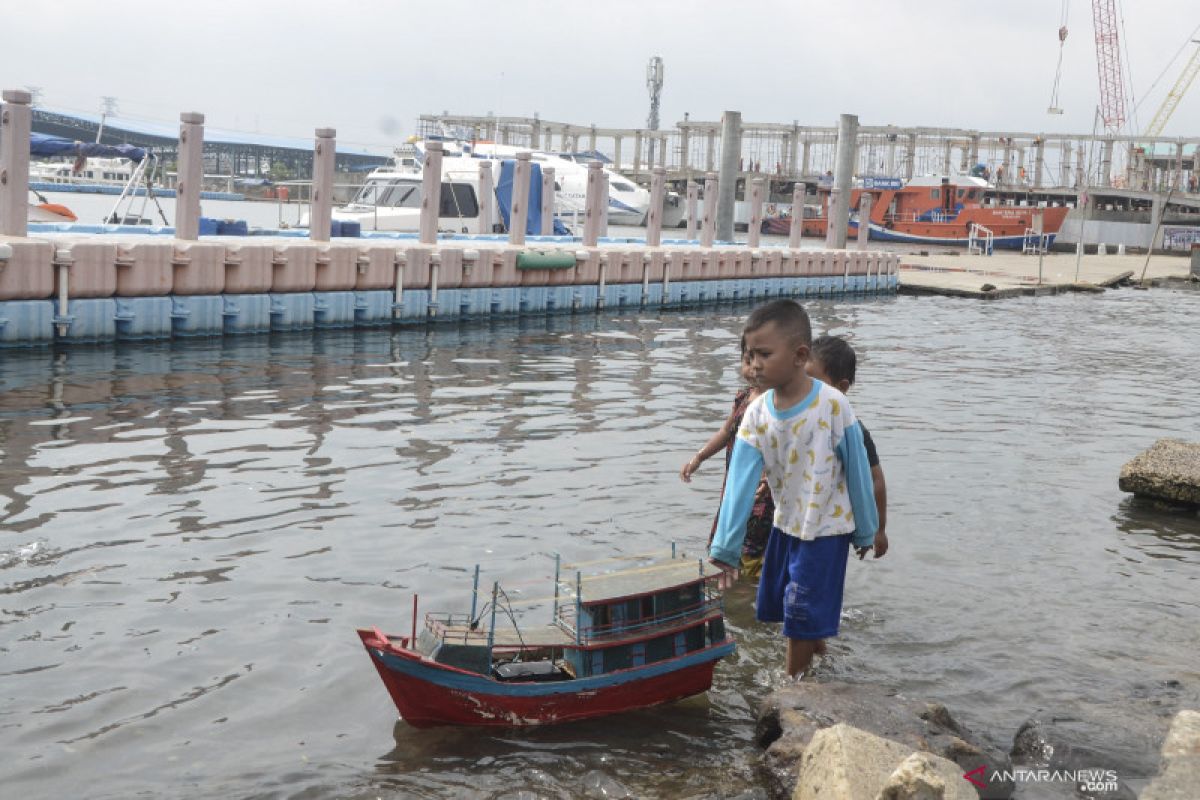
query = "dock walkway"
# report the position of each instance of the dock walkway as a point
(1013, 275)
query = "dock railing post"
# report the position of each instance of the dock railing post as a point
(754, 229)
(658, 189)
(604, 195)
(520, 200)
(320, 218)
(799, 191)
(16, 121)
(693, 202)
(487, 197)
(592, 206)
(864, 219)
(547, 201)
(708, 229)
(190, 175)
(431, 193)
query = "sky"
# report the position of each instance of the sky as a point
(369, 68)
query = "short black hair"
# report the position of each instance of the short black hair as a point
(788, 315)
(837, 356)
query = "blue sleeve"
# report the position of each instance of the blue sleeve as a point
(741, 482)
(859, 485)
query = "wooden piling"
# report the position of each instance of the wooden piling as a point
(658, 187)
(520, 200)
(592, 205)
(320, 218)
(708, 230)
(190, 175)
(487, 197)
(754, 231)
(799, 191)
(431, 193)
(693, 202)
(16, 120)
(547, 227)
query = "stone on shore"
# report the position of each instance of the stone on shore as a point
(1169, 470)
(791, 717)
(1179, 778)
(849, 764)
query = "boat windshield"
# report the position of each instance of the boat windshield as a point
(390, 194)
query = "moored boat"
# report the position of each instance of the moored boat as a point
(626, 639)
(932, 210)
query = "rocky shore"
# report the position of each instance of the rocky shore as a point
(827, 740)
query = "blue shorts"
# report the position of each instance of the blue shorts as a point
(801, 584)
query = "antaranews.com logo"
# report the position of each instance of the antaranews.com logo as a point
(1087, 780)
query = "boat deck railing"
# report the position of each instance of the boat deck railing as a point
(566, 618)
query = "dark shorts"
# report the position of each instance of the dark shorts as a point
(801, 584)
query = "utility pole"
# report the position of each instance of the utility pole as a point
(110, 109)
(654, 82)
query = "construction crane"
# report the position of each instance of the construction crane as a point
(1108, 65)
(1171, 101)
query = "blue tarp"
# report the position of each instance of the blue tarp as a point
(41, 144)
(533, 219)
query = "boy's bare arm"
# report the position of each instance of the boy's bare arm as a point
(880, 545)
(715, 444)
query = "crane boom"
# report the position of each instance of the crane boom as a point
(1176, 94)
(1108, 64)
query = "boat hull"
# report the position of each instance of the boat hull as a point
(428, 694)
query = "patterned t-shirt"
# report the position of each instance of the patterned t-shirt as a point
(816, 466)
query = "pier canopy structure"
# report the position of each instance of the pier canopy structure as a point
(786, 153)
(236, 153)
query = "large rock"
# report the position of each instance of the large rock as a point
(1180, 775)
(1169, 470)
(845, 763)
(1067, 746)
(790, 718)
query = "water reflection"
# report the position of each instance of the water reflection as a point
(191, 532)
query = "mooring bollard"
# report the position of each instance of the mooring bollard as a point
(431, 193)
(754, 230)
(487, 197)
(320, 218)
(658, 190)
(708, 230)
(16, 121)
(592, 206)
(693, 202)
(520, 200)
(547, 226)
(799, 192)
(190, 175)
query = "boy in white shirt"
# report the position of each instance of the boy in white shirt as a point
(806, 437)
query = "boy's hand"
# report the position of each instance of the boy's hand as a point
(729, 575)
(880, 547)
(691, 466)
(881, 544)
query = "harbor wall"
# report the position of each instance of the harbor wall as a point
(65, 289)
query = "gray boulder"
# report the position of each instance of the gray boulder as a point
(1169, 470)
(790, 717)
(1179, 778)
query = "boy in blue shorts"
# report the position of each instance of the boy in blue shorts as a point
(804, 435)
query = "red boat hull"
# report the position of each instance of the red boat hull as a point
(428, 694)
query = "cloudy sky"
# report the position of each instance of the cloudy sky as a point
(369, 67)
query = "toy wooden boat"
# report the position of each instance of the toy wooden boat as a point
(636, 637)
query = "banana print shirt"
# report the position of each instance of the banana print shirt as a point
(816, 466)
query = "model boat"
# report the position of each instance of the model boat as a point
(648, 633)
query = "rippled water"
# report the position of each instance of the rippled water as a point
(192, 531)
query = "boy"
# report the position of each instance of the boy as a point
(832, 361)
(803, 433)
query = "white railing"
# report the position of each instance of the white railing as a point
(1034, 243)
(980, 240)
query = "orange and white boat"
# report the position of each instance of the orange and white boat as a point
(941, 211)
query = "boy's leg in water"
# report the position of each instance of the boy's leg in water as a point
(821, 649)
(800, 655)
